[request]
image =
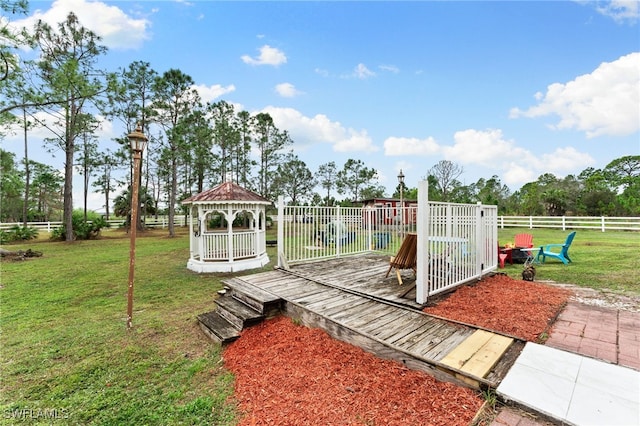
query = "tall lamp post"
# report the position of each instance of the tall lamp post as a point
(401, 181)
(138, 141)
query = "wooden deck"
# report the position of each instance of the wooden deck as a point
(352, 300)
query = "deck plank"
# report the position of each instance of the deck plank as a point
(436, 335)
(314, 296)
(369, 311)
(419, 326)
(407, 321)
(382, 321)
(478, 353)
(302, 291)
(321, 306)
(360, 308)
(418, 334)
(354, 304)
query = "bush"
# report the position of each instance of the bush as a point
(82, 230)
(18, 233)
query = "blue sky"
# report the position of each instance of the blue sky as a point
(513, 89)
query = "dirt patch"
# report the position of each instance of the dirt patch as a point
(601, 298)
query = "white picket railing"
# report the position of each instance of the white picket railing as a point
(215, 245)
(462, 242)
(308, 233)
(457, 243)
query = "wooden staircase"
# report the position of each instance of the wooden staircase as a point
(242, 305)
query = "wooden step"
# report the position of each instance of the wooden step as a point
(218, 328)
(259, 299)
(477, 354)
(237, 313)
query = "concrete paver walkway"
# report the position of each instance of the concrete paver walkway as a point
(574, 379)
(602, 333)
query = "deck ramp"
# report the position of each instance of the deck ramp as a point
(446, 349)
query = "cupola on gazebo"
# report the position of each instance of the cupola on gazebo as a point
(227, 227)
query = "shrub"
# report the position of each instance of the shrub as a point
(18, 233)
(82, 230)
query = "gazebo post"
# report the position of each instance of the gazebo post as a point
(202, 216)
(230, 219)
(191, 236)
(255, 225)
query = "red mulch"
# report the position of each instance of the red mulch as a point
(293, 375)
(520, 308)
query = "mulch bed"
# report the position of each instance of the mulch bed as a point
(519, 308)
(293, 375)
(288, 374)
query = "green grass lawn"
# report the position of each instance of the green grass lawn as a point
(65, 349)
(65, 346)
(601, 260)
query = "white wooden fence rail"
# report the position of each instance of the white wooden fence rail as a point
(601, 223)
(160, 222)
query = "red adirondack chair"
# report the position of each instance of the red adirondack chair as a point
(519, 242)
(523, 240)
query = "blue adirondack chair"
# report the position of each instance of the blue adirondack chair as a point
(562, 255)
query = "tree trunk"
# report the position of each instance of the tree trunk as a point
(68, 191)
(172, 195)
(27, 169)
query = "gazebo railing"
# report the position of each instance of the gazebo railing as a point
(215, 245)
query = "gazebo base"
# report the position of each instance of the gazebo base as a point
(201, 267)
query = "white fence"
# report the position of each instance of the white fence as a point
(151, 222)
(307, 233)
(461, 239)
(456, 244)
(602, 223)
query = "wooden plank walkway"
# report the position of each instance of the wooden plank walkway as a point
(333, 295)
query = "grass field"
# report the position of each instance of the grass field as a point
(66, 353)
(65, 346)
(601, 260)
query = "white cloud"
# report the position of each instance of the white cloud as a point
(620, 10)
(605, 102)
(268, 56)
(516, 174)
(568, 159)
(287, 90)
(484, 147)
(209, 93)
(394, 146)
(517, 165)
(117, 29)
(389, 68)
(362, 72)
(320, 129)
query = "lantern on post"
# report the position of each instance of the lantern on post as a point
(138, 142)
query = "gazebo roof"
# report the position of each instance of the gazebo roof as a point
(224, 193)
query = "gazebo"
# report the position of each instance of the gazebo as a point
(227, 228)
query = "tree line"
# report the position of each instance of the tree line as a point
(195, 144)
(611, 191)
